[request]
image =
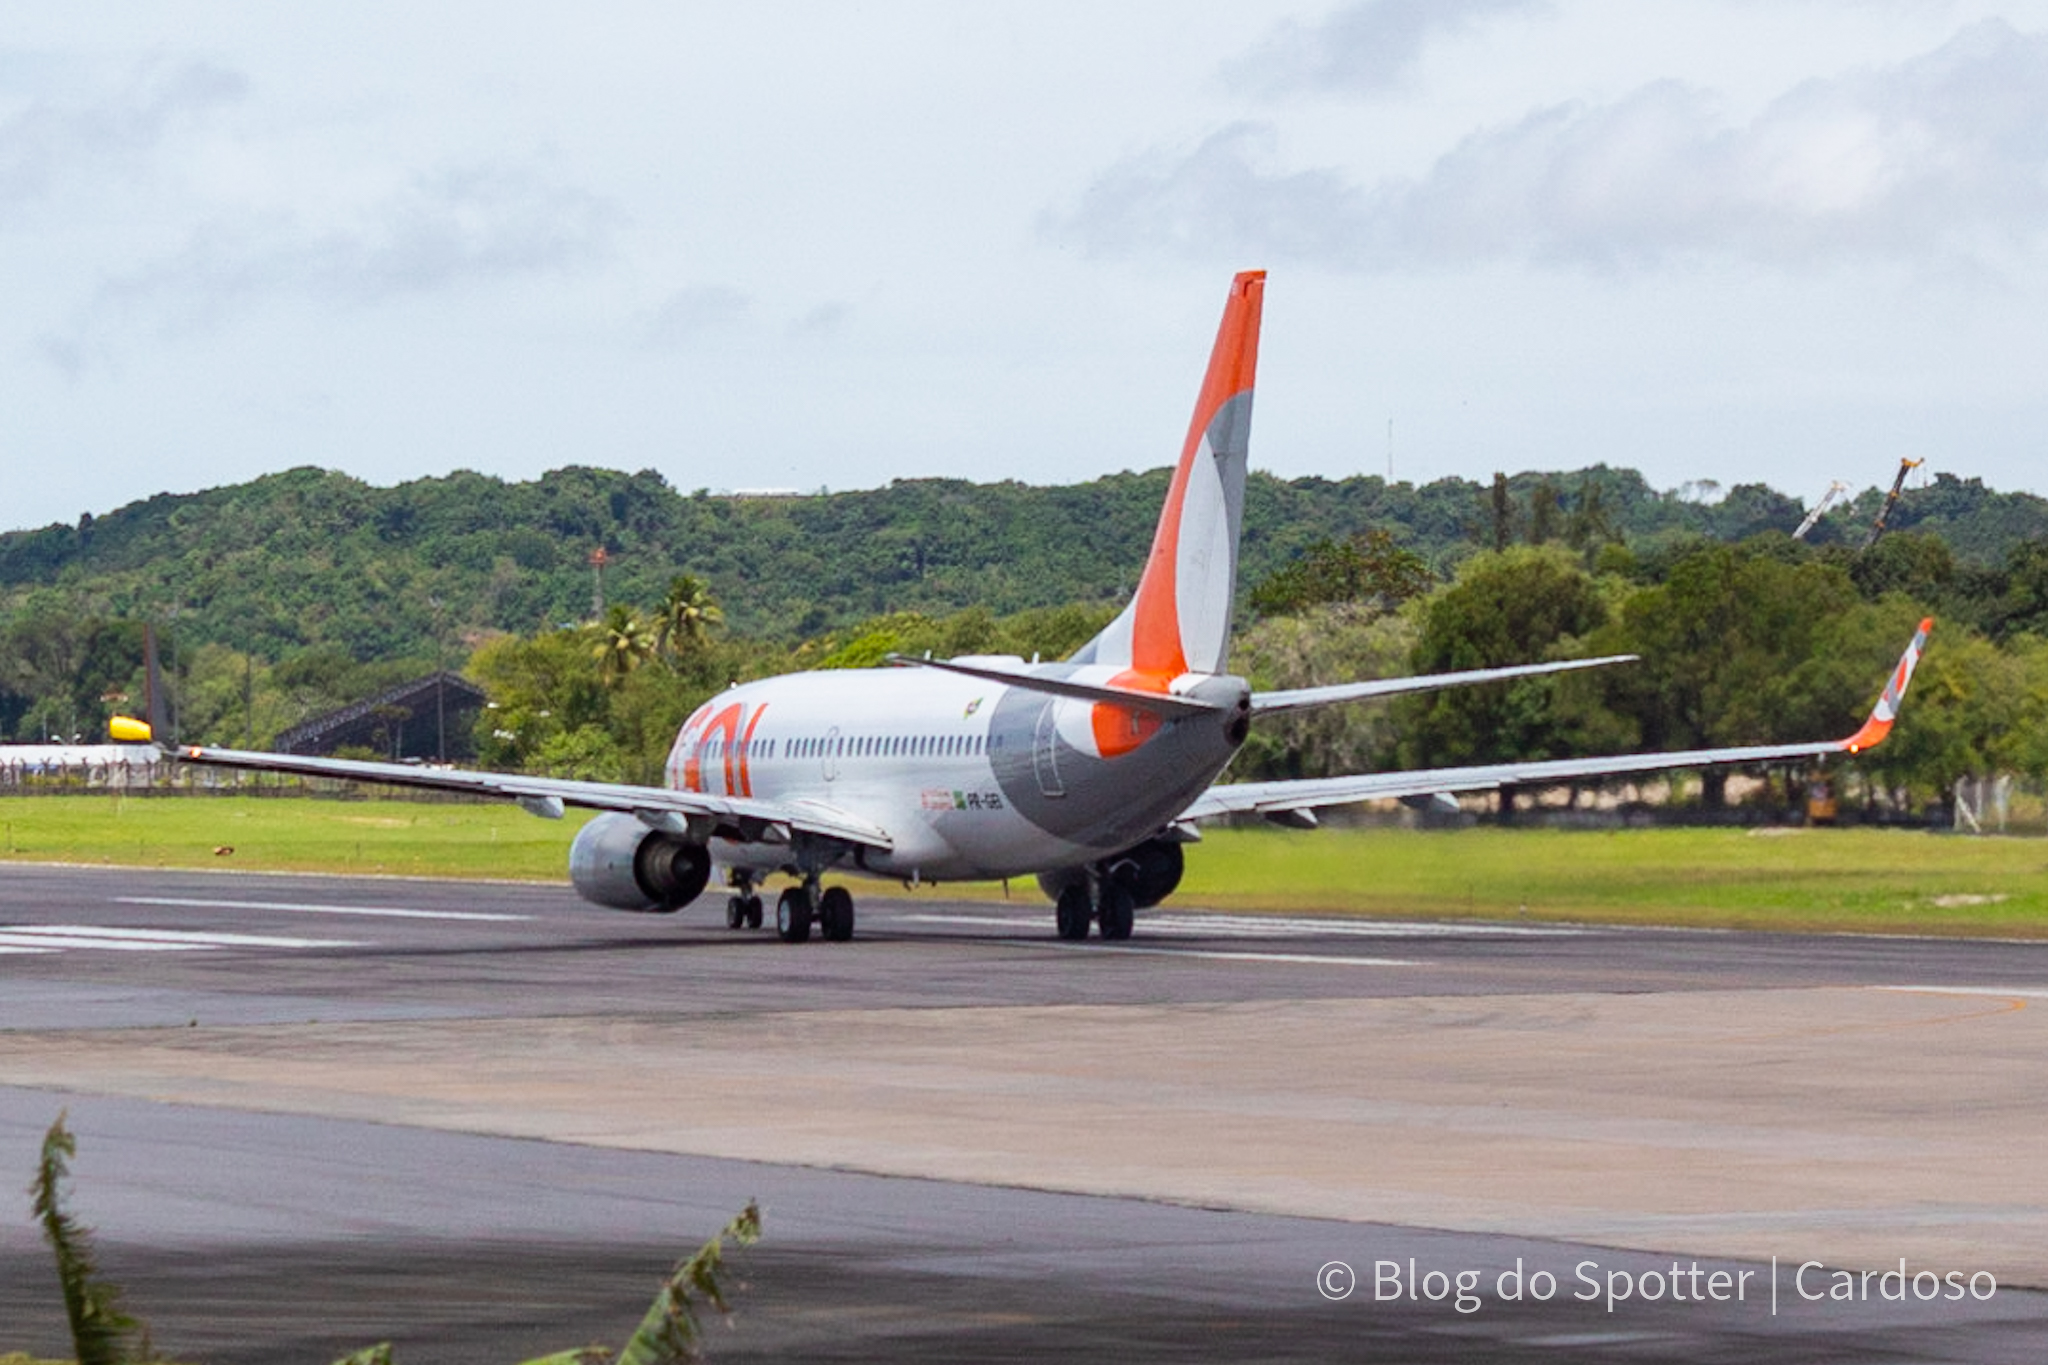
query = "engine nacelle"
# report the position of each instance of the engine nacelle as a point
(1150, 871)
(618, 861)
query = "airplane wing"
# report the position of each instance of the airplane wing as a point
(1306, 794)
(1301, 698)
(701, 814)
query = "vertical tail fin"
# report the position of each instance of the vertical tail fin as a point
(1179, 619)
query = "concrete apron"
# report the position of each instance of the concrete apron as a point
(1848, 1125)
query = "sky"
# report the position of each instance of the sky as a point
(828, 245)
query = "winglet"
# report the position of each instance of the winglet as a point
(1887, 709)
(128, 730)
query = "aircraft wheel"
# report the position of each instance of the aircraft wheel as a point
(793, 916)
(1118, 912)
(835, 914)
(1071, 913)
(753, 912)
(735, 912)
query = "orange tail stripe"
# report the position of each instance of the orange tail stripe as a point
(1233, 362)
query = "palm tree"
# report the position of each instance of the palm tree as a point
(624, 643)
(685, 616)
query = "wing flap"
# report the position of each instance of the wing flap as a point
(734, 816)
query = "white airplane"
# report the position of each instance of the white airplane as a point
(1089, 773)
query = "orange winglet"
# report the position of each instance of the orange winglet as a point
(1886, 712)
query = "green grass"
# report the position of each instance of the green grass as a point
(283, 834)
(1870, 880)
(1884, 881)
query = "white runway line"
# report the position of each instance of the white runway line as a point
(1260, 926)
(305, 908)
(2017, 992)
(47, 937)
(1217, 955)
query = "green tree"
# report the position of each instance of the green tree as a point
(683, 621)
(1724, 640)
(1323, 645)
(1526, 605)
(624, 642)
(1369, 569)
(540, 686)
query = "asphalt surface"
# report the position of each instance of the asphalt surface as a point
(289, 1236)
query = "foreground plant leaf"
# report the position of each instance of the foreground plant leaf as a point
(670, 1334)
(99, 1329)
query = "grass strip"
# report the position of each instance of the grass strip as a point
(1863, 880)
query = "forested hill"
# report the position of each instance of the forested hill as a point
(312, 557)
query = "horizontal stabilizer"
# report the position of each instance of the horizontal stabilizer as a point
(1302, 698)
(1164, 704)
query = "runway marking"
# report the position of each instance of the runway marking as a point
(45, 938)
(1215, 954)
(305, 908)
(1259, 926)
(2002, 992)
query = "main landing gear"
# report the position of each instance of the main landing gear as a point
(800, 906)
(1101, 900)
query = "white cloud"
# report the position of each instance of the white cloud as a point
(1370, 47)
(46, 143)
(444, 230)
(1939, 159)
(696, 314)
(828, 319)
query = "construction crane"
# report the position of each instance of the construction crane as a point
(1819, 509)
(1891, 500)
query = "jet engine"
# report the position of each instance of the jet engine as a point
(618, 861)
(1150, 871)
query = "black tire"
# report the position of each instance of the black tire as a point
(793, 916)
(1071, 912)
(835, 914)
(1119, 913)
(735, 912)
(753, 912)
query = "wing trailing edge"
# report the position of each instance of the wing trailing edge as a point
(701, 814)
(1277, 798)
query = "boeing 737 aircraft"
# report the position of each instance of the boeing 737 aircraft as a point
(1089, 773)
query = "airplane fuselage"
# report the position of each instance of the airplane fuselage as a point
(973, 779)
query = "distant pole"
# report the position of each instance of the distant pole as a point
(597, 562)
(440, 681)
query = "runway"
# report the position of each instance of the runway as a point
(315, 1112)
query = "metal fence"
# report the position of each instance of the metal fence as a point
(160, 776)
